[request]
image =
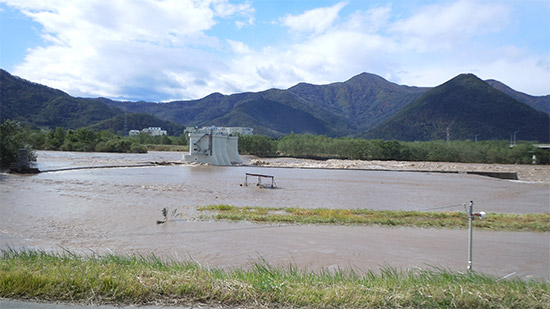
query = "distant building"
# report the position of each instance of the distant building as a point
(228, 130)
(154, 131)
(213, 145)
(239, 130)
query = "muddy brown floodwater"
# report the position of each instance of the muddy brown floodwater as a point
(116, 209)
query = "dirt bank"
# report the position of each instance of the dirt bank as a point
(532, 173)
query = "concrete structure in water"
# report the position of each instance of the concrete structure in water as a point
(23, 165)
(213, 145)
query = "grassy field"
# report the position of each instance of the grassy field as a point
(138, 280)
(493, 221)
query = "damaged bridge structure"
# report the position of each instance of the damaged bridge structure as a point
(214, 146)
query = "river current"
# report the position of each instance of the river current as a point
(116, 209)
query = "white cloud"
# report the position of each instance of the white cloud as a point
(370, 21)
(343, 49)
(239, 47)
(316, 20)
(127, 48)
(226, 9)
(427, 48)
(162, 50)
(444, 25)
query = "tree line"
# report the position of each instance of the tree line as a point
(14, 137)
(323, 147)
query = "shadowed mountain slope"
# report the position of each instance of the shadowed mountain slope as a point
(541, 103)
(466, 106)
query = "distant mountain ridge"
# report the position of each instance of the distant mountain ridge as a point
(541, 103)
(365, 99)
(360, 106)
(337, 109)
(39, 106)
(465, 107)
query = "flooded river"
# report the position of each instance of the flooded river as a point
(115, 210)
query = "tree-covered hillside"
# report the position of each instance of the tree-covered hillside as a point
(129, 121)
(338, 109)
(465, 107)
(40, 106)
(364, 105)
(541, 103)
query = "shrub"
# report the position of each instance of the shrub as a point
(12, 138)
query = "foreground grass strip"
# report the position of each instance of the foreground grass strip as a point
(138, 280)
(457, 219)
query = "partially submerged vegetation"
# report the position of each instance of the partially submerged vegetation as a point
(292, 145)
(84, 139)
(12, 139)
(138, 280)
(88, 140)
(323, 147)
(455, 219)
(157, 147)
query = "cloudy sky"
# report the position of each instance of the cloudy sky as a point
(160, 50)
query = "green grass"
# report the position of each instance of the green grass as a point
(493, 221)
(138, 280)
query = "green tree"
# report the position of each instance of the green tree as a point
(12, 138)
(259, 145)
(55, 139)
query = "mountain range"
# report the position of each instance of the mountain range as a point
(365, 105)
(464, 107)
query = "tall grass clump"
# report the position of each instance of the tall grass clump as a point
(150, 280)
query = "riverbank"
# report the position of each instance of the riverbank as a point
(530, 173)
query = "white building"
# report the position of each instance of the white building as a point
(238, 130)
(154, 131)
(212, 145)
(227, 130)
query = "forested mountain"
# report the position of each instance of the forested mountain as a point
(465, 107)
(541, 103)
(40, 106)
(365, 105)
(132, 121)
(336, 109)
(365, 100)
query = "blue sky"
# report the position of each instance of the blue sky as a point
(185, 49)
